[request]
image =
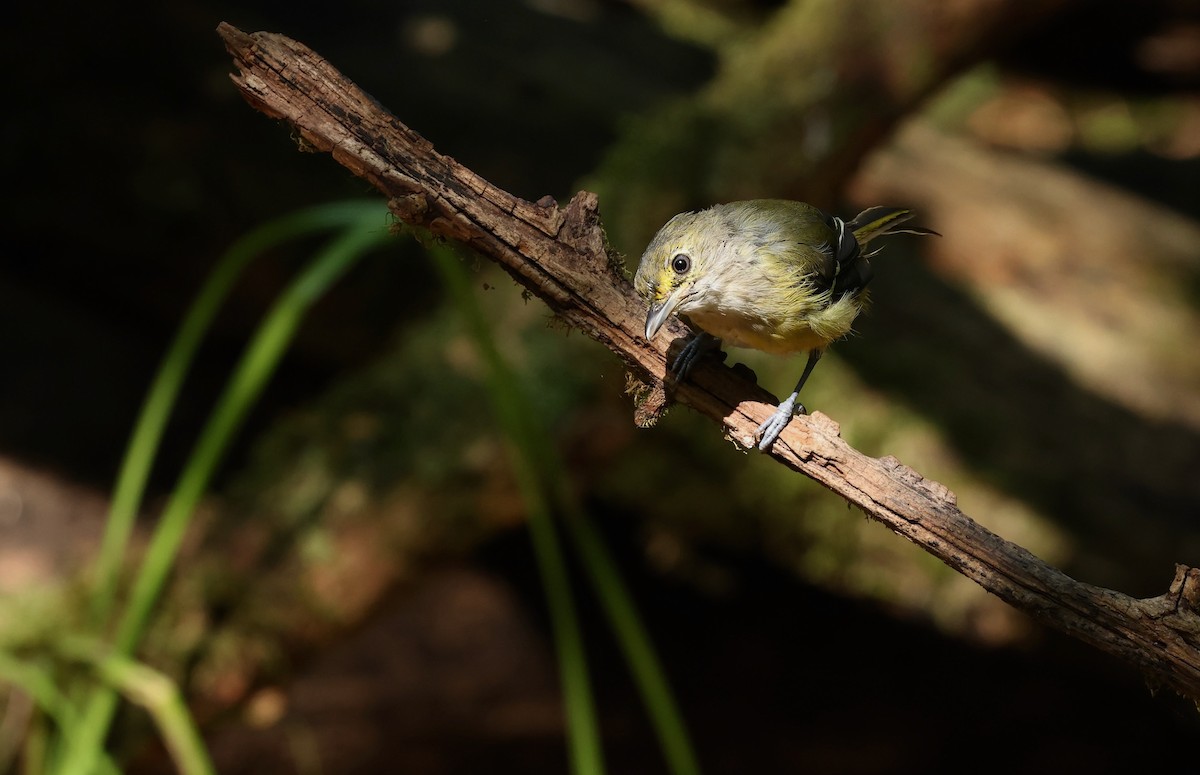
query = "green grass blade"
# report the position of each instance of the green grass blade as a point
(257, 364)
(41, 687)
(633, 639)
(39, 684)
(587, 756)
(523, 428)
(36, 748)
(154, 691)
(160, 398)
(513, 414)
(248, 380)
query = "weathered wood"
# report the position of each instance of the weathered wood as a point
(559, 254)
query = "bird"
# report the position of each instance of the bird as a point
(774, 275)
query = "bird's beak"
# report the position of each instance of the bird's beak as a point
(660, 311)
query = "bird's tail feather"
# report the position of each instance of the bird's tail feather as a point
(878, 221)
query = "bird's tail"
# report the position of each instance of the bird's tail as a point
(878, 221)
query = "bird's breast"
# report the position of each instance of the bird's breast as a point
(776, 337)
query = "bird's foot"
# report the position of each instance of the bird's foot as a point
(770, 430)
(695, 349)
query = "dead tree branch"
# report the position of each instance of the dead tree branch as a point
(559, 254)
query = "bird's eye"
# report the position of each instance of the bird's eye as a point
(681, 263)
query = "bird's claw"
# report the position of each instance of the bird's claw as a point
(770, 430)
(691, 353)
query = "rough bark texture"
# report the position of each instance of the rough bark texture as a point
(559, 254)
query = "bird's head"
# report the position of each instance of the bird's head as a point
(681, 264)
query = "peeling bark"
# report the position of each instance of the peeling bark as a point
(559, 254)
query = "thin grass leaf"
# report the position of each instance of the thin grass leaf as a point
(632, 638)
(256, 366)
(160, 398)
(158, 694)
(512, 412)
(536, 455)
(40, 685)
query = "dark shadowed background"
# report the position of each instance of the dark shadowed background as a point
(359, 595)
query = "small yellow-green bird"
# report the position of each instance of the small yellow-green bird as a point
(770, 274)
